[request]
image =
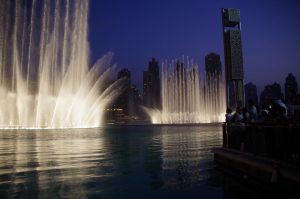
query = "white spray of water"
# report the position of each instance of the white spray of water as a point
(187, 99)
(45, 78)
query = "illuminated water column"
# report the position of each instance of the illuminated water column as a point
(186, 98)
(46, 80)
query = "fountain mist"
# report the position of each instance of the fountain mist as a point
(187, 99)
(45, 78)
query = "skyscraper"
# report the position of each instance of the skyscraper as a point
(290, 88)
(271, 92)
(151, 86)
(123, 100)
(233, 57)
(126, 106)
(213, 80)
(251, 93)
(134, 101)
(125, 73)
(212, 63)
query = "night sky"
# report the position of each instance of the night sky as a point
(137, 30)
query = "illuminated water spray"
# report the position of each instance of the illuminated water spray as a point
(188, 99)
(45, 78)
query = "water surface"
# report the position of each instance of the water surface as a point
(111, 162)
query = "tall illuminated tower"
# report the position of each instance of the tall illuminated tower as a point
(234, 71)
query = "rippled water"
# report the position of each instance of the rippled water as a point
(110, 162)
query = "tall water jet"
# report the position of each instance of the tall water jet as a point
(45, 78)
(186, 98)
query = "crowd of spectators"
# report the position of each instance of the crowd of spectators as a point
(276, 112)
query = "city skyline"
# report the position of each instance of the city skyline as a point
(251, 91)
(137, 31)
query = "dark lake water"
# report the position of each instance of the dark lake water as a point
(113, 162)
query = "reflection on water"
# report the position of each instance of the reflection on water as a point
(116, 161)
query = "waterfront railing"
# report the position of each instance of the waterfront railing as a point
(277, 142)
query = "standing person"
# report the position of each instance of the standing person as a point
(228, 115)
(246, 115)
(252, 111)
(264, 115)
(238, 116)
(282, 107)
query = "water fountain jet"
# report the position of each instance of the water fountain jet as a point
(45, 78)
(185, 98)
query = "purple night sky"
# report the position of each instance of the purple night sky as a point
(136, 30)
